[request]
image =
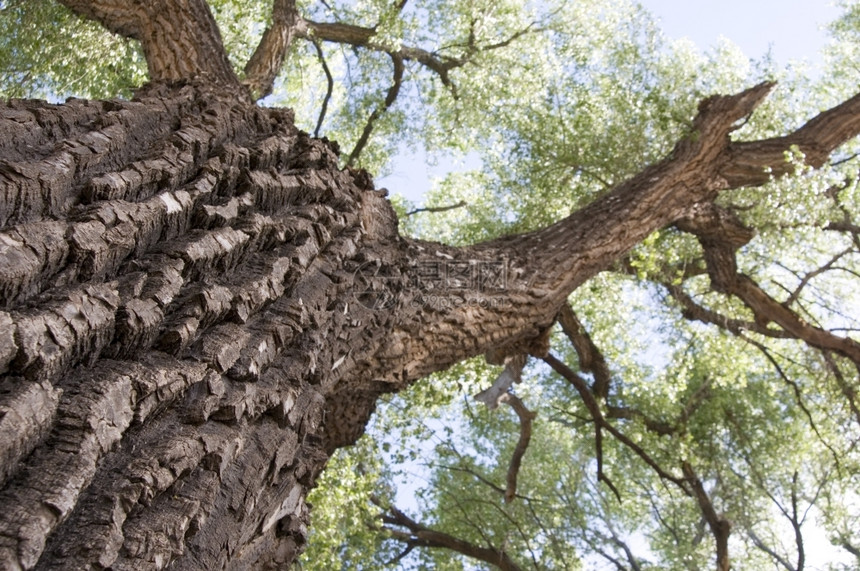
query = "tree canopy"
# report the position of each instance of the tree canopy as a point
(697, 401)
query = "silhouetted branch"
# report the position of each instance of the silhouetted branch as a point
(403, 528)
(526, 417)
(390, 97)
(460, 204)
(600, 422)
(329, 88)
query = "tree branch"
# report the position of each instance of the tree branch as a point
(693, 311)
(422, 536)
(390, 97)
(119, 16)
(848, 391)
(761, 545)
(720, 235)
(798, 392)
(591, 359)
(526, 417)
(720, 526)
(511, 374)
(460, 204)
(359, 36)
(479, 477)
(268, 58)
(544, 266)
(329, 88)
(847, 546)
(661, 427)
(441, 65)
(804, 281)
(756, 162)
(600, 422)
(627, 413)
(180, 38)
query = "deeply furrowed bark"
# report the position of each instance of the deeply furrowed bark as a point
(197, 306)
(180, 38)
(176, 275)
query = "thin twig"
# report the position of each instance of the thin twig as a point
(460, 204)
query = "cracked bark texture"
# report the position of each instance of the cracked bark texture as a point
(174, 278)
(198, 306)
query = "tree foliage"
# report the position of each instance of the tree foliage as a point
(682, 409)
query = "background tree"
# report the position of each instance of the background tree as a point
(201, 307)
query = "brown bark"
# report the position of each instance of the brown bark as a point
(198, 302)
(177, 280)
(266, 62)
(180, 38)
(197, 306)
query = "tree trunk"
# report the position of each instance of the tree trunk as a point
(197, 306)
(176, 277)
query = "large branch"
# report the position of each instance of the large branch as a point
(756, 162)
(265, 64)
(180, 38)
(542, 268)
(119, 16)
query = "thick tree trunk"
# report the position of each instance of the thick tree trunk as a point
(197, 306)
(177, 277)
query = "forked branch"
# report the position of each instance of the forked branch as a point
(435, 61)
(720, 235)
(600, 423)
(403, 528)
(756, 162)
(591, 359)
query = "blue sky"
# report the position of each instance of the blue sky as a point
(792, 29)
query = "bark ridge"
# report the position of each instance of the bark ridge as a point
(174, 313)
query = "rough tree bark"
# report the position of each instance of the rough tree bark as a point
(199, 306)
